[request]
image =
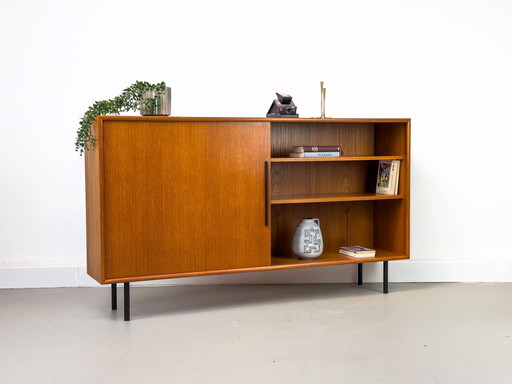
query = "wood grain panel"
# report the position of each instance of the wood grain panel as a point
(354, 139)
(93, 199)
(342, 224)
(279, 263)
(333, 198)
(317, 178)
(392, 218)
(184, 197)
(391, 139)
(392, 226)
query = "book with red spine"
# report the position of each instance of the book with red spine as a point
(315, 154)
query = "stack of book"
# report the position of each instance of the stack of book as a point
(387, 177)
(317, 151)
(357, 251)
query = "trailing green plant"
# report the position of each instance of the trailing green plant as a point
(130, 100)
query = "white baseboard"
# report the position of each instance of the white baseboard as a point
(399, 271)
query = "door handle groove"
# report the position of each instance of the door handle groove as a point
(266, 194)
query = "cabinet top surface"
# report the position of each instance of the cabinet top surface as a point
(253, 119)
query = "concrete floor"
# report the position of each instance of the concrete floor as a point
(335, 333)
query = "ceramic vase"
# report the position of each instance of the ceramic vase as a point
(307, 240)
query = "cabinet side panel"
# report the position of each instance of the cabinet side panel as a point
(93, 187)
(184, 197)
(392, 218)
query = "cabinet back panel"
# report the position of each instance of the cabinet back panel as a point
(342, 224)
(355, 139)
(296, 179)
(392, 139)
(392, 226)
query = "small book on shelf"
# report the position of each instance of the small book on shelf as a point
(317, 148)
(315, 154)
(397, 173)
(357, 251)
(387, 177)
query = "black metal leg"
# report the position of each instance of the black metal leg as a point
(385, 277)
(360, 274)
(126, 301)
(114, 296)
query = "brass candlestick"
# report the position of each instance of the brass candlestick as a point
(322, 100)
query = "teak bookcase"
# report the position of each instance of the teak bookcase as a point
(172, 197)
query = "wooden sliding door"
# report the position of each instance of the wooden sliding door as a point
(183, 197)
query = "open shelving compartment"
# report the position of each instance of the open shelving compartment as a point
(340, 192)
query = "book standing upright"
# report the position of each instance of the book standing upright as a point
(388, 174)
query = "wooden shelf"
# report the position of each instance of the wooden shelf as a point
(283, 262)
(328, 198)
(330, 159)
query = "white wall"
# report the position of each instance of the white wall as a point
(444, 63)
